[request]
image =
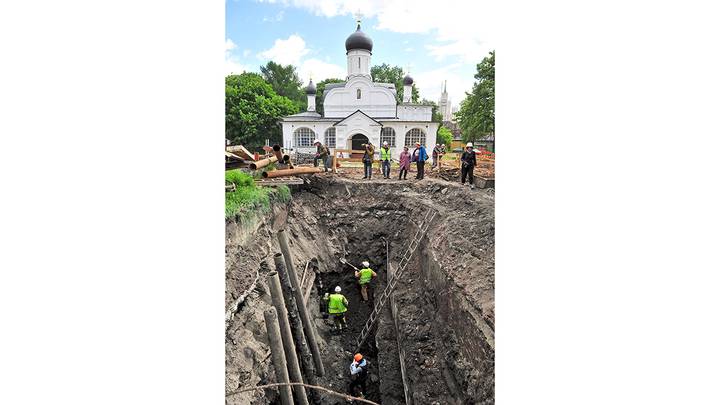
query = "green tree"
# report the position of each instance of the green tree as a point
(286, 82)
(252, 110)
(393, 74)
(444, 136)
(477, 112)
(321, 93)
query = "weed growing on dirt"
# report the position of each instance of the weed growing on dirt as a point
(248, 198)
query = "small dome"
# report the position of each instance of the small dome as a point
(358, 40)
(311, 89)
(407, 80)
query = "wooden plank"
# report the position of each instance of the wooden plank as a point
(311, 281)
(240, 151)
(232, 155)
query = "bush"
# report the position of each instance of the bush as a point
(239, 178)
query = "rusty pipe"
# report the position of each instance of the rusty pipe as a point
(308, 326)
(277, 153)
(291, 172)
(278, 302)
(278, 355)
(262, 163)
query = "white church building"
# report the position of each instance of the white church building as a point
(360, 110)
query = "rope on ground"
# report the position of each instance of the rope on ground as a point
(337, 394)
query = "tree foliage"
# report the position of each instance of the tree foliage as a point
(252, 110)
(286, 82)
(444, 136)
(436, 116)
(321, 93)
(393, 74)
(477, 112)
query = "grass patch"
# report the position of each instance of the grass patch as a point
(248, 198)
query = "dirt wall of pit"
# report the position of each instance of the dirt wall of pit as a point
(445, 301)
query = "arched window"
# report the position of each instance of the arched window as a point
(358, 94)
(330, 137)
(358, 63)
(387, 135)
(304, 137)
(414, 135)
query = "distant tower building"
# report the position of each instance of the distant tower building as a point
(444, 107)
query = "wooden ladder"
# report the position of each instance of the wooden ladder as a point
(404, 261)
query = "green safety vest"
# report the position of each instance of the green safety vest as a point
(336, 304)
(365, 276)
(385, 154)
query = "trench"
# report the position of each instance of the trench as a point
(432, 343)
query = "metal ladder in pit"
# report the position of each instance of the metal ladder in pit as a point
(414, 242)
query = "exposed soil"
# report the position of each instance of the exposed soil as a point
(445, 299)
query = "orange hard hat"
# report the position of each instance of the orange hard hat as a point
(358, 357)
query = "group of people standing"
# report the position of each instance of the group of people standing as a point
(418, 156)
(337, 306)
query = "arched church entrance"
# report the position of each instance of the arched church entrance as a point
(357, 142)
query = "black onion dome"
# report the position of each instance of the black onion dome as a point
(358, 40)
(407, 80)
(311, 89)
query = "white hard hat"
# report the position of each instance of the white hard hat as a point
(366, 264)
(469, 145)
(385, 143)
(338, 289)
(316, 141)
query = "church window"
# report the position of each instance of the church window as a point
(388, 135)
(414, 135)
(330, 137)
(358, 94)
(358, 63)
(304, 137)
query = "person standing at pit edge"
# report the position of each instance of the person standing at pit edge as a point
(368, 159)
(364, 276)
(337, 306)
(420, 156)
(468, 164)
(404, 163)
(358, 375)
(385, 158)
(322, 153)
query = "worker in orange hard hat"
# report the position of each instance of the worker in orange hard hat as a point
(358, 375)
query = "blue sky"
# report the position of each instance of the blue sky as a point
(434, 39)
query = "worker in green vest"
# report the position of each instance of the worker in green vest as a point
(364, 276)
(337, 306)
(385, 159)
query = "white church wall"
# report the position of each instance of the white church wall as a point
(318, 129)
(358, 62)
(374, 101)
(414, 112)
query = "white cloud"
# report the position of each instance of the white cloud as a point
(409, 49)
(430, 82)
(233, 66)
(277, 18)
(232, 63)
(286, 51)
(320, 70)
(460, 32)
(229, 45)
(293, 50)
(246, 53)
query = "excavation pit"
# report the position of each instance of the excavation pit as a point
(443, 328)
